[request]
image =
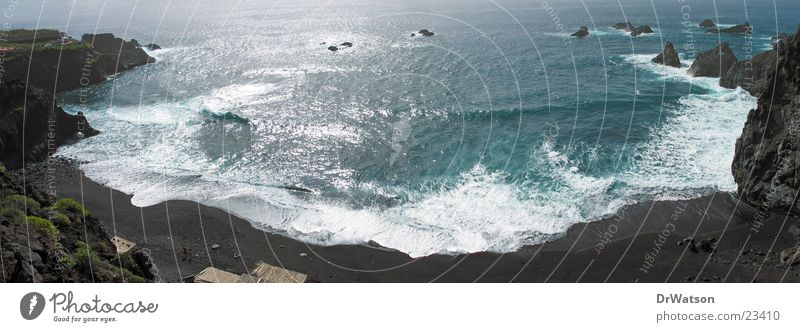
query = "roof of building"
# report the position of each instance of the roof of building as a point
(123, 246)
(272, 274)
(215, 275)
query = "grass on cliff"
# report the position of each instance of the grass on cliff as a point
(21, 202)
(27, 36)
(42, 225)
(69, 205)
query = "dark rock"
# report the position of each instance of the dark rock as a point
(152, 47)
(46, 127)
(346, 44)
(751, 74)
(426, 32)
(79, 65)
(714, 62)
(739, 29)
(640, 30)
(333, 48)
(668, 57)
(707, 24)
(791, 256)
(582, 32)
(627, 26)
(413, 34)
(708, 245)
(766, 165)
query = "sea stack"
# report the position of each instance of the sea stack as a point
(582, 32)
(766, 166)
(668, 57)
(714, 62)
(707, 24)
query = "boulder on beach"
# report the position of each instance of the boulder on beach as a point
(668, 57)
(739, 29)
(707, 24)
(714, 62)
(426, 32)
(582, 32)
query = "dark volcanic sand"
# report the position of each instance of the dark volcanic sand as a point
(613, 249)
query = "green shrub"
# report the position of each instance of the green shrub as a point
(69, 205)
(60, 219)
(83, 256)
(42, 225)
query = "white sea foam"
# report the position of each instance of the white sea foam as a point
(483, 210)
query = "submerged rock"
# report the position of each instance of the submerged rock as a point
(346, 44)
(668, 57)
(333, 48)
(707, 24)
(714, 62)
(582, 32)
(766, 165)
(426, 32)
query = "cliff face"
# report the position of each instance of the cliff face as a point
(32, 126)
(767, 160)
(54, 67)
(43, 239)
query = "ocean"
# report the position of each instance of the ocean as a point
(499, 131)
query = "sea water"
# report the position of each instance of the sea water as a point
(500, 130)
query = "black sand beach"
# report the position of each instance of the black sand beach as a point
(642, 243)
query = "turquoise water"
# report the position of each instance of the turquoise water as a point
(498, 131)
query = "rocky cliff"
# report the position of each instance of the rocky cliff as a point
(62, 64)
(44, 239)
(767, 157)
(32, 126)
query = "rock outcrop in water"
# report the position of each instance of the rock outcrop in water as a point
(632, 29)
(426, 32)
(714, 62)
(46, 126)
(739, 29)
(582, 32)
(707, 23)
(58, 63)
(766, 165)
(640, 30)
(627, 26)
(668, 57)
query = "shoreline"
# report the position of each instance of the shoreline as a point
(641, 243)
